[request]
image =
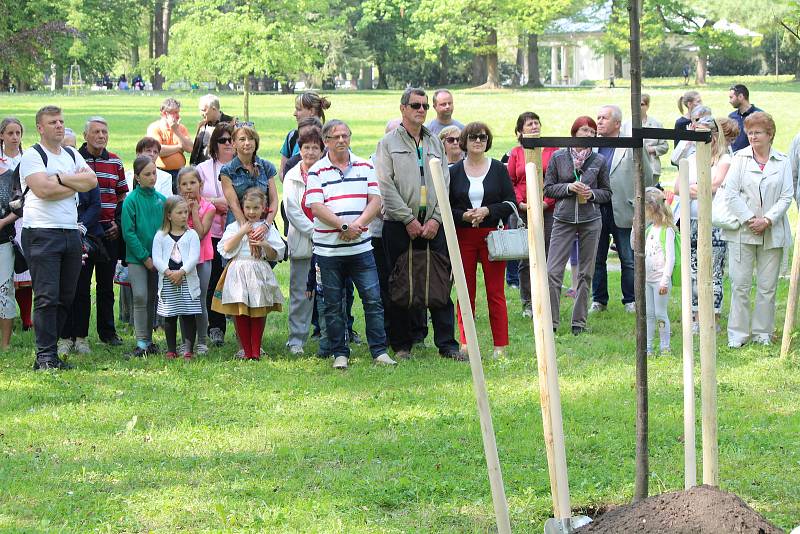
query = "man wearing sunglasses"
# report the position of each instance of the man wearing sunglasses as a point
(443, 106)
(412, 214)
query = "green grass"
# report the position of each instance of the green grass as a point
(287, 445)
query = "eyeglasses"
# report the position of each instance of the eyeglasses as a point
(451, 140)
(417, 105)
(478, 137)
(755, 133)
(224, 141)
(343, 137)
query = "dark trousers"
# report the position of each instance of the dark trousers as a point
(395, 243)
(77, 323)
(54, 258)
(622, 239)
(215, 320)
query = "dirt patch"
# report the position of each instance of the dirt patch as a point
(700, 510)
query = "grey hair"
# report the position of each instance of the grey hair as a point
(209, 101)
(701, 111)
(406, 98)
(170, 103)
(331, 125)
(90, 120)
(616, 112)
(69, 132)
(437, 92)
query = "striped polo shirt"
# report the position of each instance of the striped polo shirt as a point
(110, 179)
(346, 194)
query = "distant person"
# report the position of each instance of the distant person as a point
(70, 139)
(50, 234)
(443, 106)
(123, 83)
(173, 137)
(739, 97)
(686, 74)
(212, 115)
(686, 103)
(654, 148)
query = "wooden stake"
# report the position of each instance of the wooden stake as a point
(708, 333)
(478, 380)
(689, 450)
(546, 349)
(791, 303)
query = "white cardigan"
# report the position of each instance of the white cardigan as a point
(301, 228)
(189, 247)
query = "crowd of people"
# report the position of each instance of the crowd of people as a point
(194, 242)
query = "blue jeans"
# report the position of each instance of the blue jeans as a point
(360, 268)
(622, 238)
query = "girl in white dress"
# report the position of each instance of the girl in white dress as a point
(248, 289)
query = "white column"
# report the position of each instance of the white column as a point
(553, 66)
(564, 65)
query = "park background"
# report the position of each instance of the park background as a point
(287, 445)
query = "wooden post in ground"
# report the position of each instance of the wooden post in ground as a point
(689, 451)
(708, 332)
(791, 302)
(546, 349)
(478, 380)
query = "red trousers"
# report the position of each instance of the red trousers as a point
(472, 243)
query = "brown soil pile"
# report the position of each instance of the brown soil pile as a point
(702, 509)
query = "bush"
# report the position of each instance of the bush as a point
(734, 62)
(665, 62)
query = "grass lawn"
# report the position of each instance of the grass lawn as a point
(288, 445)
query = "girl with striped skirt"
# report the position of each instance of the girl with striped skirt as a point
(176, 252)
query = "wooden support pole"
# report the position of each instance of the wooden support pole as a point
(791, 303)
(478, 380)
(689, 450)
(546, 350)
(708, 333)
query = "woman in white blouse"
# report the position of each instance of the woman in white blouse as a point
(758, 191)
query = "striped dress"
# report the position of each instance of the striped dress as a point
(177, 300)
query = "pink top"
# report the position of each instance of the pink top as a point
(206, 248)
(212, 188)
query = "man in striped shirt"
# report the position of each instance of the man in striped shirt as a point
(113, 188)
(343, 195)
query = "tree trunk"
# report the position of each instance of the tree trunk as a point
(533, 61)
(492, 73)
(640, 489)
(246, 108)
(151, 42)
(797, 72)
(134, 56)
(521, 59)
(166, 22)
(366, 77)
(158, 42)
(59, 76)
(382, 82)
(478, 69)
(701, 69)
(444, 65)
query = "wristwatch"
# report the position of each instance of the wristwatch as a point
(344, 227)
(58, 177)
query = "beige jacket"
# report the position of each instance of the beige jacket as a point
(397, 167)
(751, 192)
(621, 172)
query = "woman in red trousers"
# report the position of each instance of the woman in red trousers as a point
(481, 195)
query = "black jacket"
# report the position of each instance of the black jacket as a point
(497, 191)
(199, 148)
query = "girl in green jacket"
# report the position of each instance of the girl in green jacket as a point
(142, 212)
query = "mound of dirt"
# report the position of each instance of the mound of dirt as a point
(702, 509)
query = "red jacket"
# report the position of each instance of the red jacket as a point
(516, 170)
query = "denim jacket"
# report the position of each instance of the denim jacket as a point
(243, 180)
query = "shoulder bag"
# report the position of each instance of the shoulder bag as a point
(721, 215)
(511, 244)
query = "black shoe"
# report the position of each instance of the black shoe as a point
(456, 355)
(354, 337)
(152, 348)
(315, 334)
(53, 363)
(578, 330)
(115, 341)
(139, 352)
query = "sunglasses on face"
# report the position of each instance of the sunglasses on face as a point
(478, 137)
(224, 141)
(451, 140)
(417, 105)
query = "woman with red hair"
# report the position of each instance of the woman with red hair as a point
(578, 179)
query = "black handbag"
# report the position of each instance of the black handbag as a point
(20, 262)
(95, 249)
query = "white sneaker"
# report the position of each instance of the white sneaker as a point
(296, 350)
(201, 349)
(340, 362)
(630, 307)
(382, 359)
(65, 346)
(82, 346)
(527, 313)
(597, 307)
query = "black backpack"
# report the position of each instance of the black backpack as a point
(18, 200)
